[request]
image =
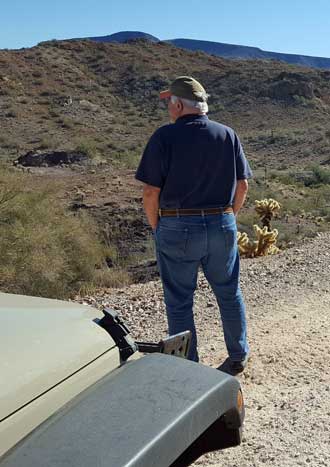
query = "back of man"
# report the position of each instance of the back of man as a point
(194, 171)
(199, 165)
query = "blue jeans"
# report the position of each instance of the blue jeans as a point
(182, 245)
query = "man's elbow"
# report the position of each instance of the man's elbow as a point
(150, 191)
(242, 186)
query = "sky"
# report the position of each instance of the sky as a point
(291, 26)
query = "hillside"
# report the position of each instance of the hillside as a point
(101, 100)
(222, 50)
(64, 94)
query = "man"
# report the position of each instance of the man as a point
(195, 175)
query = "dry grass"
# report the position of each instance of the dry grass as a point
(45, 250)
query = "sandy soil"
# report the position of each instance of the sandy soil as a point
(287, 382)
(286, 388)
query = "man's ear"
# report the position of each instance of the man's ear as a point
(179, 105)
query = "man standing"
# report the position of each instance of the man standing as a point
(195, 175)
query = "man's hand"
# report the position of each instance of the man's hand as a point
(151, 204)
(240, 195)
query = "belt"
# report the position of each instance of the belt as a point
(194, 212)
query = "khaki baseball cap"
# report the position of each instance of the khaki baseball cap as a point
(187, 88)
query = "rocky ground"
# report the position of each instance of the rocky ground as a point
(287, 382)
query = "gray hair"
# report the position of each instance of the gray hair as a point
(201, 106)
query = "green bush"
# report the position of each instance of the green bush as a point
(321, 175)
(127, 159)
(89, 148)
(45, 251)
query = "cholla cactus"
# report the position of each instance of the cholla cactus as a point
(265, 243)
(246, 248)
(267, 208)
(263, 246)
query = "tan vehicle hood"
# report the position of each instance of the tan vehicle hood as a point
(43, 342)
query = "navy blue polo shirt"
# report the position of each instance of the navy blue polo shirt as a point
(196, 163)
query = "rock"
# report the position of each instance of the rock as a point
(288, 85)
(50, 159)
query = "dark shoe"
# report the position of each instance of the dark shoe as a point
(239, 366)
(233, 367)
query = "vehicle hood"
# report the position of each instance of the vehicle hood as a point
(43, 342)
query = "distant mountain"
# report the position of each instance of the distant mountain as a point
(222, 50)
(125, 36)
(245, 52)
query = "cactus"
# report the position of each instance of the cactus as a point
(267, 208)
(246, 248)
(265, 243)
(263, 246)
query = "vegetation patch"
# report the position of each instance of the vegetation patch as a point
(45, 250)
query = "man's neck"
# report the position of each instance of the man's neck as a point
(190, 114)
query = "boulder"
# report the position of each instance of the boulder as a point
(286, 86)
(51, 159)
(286, 89)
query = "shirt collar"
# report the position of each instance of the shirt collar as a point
(192, 118)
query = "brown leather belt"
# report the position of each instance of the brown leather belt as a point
(194, 212)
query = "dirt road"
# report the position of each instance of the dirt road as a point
(286, 387)
(287, 382)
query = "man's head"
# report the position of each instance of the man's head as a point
(186, 87)
(186, 96)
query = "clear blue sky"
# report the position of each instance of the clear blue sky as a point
(292, 26)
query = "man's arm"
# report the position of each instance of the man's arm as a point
(151, 204)
(240, 195)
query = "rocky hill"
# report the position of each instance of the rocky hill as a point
(63, 101)
(222, 50)
(104, 96)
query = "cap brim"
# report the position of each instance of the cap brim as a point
(165, 94)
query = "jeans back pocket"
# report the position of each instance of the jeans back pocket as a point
(172, 242)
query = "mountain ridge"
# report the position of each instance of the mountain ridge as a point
(220, 49)
(66, 94)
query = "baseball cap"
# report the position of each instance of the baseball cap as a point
(187, 88)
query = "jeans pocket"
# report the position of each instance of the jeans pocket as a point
(229, 231)
(172, 242)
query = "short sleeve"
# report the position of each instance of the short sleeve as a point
(243, 170)
(151, 167)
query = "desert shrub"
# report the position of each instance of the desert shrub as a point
(87, 147)
(46, 143)
(110, 278)
(45, 251)
(287, 178)
(127, 159)
(320, 175)
(66, 122)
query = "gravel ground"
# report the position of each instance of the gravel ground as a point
(287, 382)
